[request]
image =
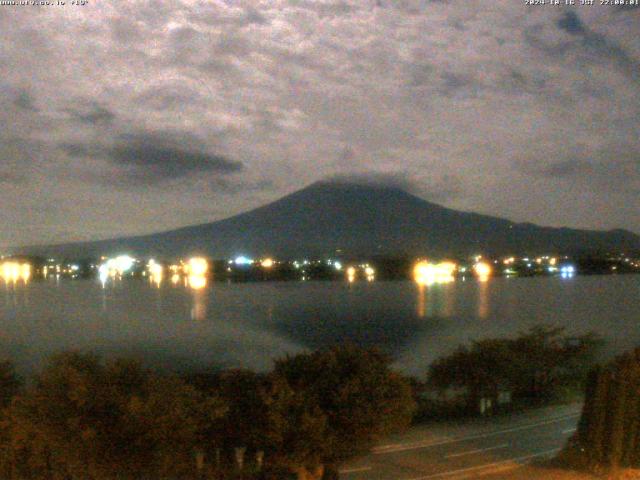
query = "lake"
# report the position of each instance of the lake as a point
(177, 327)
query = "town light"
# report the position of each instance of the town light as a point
(242, 260)
(197, 266)
(122, 263)
(14, 271)
(351, 274)
(427, 273)
(197, 282)
(483, 270)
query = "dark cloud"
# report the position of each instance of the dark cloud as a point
(156, 157)
(613, 167)
(436, 189)
(169, 96)
(25, 101)
(162, 156)
(253, 16)
(93, 114)
(570, 22)
(565, 168)
(124, 30)
(80, 150)
(460, 84)
(399, 181)
(516, 81)
(421, 75)
(598, 46)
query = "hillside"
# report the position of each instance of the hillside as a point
(352, 219)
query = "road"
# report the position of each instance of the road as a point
(471, 449)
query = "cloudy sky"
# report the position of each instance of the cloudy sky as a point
(132, 117)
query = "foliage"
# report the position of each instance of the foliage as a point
(536, 365)
(609, 429)
(84, 419)
(360, 396)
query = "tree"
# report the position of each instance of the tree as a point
(84, 419)
(295, 429)
(358, 393)
(609, 431)
(535, 365)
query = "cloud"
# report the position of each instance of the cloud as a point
(455, 84)
(96, 115)
(571, 23)
(598, 46)
(214, 99)
(25, 101)
(156, 157)
(436, 189)
(610, 167)
(235, 187)
(570, 167)
(375, 179)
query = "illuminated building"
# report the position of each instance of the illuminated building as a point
(483, 271)
(427, 273)
(197, 266)
(12, 271)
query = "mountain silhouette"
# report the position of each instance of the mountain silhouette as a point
(333, 218)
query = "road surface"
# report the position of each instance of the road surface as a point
(472, 449)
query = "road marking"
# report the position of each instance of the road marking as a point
(502, 463)
(569, 430)
(402, 447)
(354, 470)
(478, 450)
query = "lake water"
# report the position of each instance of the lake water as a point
(248, 325)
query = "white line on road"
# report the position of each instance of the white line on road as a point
(426, 444)
(569, 430)
(356, 469)
(525, 459)
(477, 450)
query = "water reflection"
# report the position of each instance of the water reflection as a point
(483, 298)
(200, 296)
(435, 300)
(421, 300)
(250, 324)
(351, 274)
(449, 297)
(156, 272)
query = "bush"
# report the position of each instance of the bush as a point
(540, 365)
(83, 418)
(361, 398)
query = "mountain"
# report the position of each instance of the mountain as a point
(353, 219)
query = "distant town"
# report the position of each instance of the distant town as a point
(197, 271)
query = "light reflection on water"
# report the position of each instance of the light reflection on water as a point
(483, 298)
(183, 325)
